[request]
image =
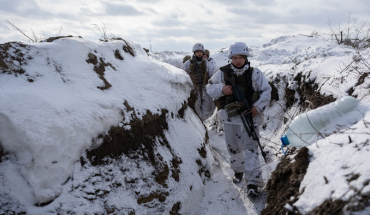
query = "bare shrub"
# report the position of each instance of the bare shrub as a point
(354, 33)
(360, 69)
(150, 45)
(100, 31)
(315, 33)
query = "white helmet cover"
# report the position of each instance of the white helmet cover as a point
(238, 48)
(198, 47)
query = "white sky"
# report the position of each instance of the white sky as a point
(177, 25)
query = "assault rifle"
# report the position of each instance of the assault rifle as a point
(244, 109)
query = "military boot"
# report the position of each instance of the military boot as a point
(238, 177)
(252, 190)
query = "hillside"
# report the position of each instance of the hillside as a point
(97, 127)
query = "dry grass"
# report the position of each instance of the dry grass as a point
(34, 38)
(355, 33)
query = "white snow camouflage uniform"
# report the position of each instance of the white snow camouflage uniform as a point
(204, 105)
(211, 64)
(243, 149)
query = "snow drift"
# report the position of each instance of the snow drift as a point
(328, 176)
(66, 97)
(309, 72)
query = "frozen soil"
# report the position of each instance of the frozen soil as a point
(283, 186)
(308, 94)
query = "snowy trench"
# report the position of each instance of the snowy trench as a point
(91, 127)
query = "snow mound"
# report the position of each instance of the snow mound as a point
(276, 40)
(61, 98)
(310, 72)
(338, 167)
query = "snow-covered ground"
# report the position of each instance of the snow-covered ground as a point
(54, 110)
(62, 100)
(295, 64)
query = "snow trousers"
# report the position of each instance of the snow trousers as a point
(204, 105)
(244, 153)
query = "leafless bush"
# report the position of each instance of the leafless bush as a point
(294, 58)
(360, 69)
(354, 33)
(100, 31)
(150, 45)
(315, 33)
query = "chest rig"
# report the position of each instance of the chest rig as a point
(198, 73)
(244, 81)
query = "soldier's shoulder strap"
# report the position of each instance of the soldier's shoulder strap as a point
(226, 68)
(248, 78)
(228, 74)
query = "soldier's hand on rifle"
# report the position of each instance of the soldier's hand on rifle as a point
(254, 112)
(227, 90)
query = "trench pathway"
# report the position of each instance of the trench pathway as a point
(221, 195)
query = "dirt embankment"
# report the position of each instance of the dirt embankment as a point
(283, 186)
(274, 92)
(12, 63)
(190, 103)
(308, 92)
(283, 190)
(360, 81)
(139, 143)
(100, 65)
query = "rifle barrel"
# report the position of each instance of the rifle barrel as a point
(247, 118)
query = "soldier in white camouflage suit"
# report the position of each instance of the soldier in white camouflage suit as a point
(200, 70)
(211, 63)
(243, 150)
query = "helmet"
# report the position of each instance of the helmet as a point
(198, 47)
(186, 58)
(238, 48)
(206, 52)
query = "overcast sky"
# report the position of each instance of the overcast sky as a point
(177, 25)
